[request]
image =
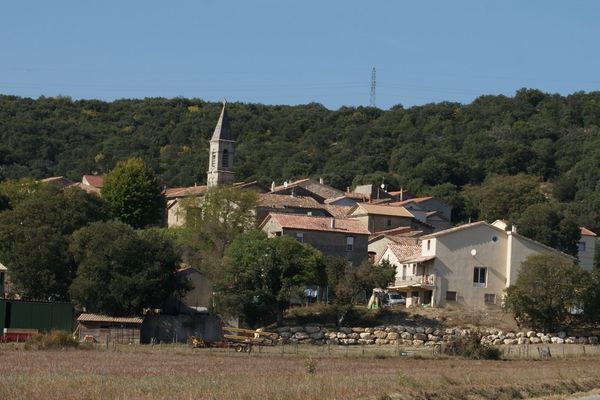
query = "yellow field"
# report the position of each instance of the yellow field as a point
(178, 372)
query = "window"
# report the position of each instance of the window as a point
(403, 272)
(349, 243)
(389, 222)
(490, 298)
(581, 247)
(300, 237)
(225, 160)
(479, 276)
(450, 296)
(428, 244)
(495, 239)
(213, 159)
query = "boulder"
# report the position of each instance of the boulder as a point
(346, 330)
(497, 342)
(428, 331)
(582, 340)
(380, 334)
(411, 330)
(282, 329)
(557, 340)
(358, 330)
(406, 336)
(332, 341)
(317, 336)
(331, 335)
(418, 343)
(295, 329)
(365, 336)
(571, 340)
(341, 335)
(521, 335)
(593, 340)
(510, 335)
(438, 332)
(433, 338)
(285, 335)
(300, 336)
(429, 344)
(420, 336)
(562, 334)
(400, 328)
(531, 334)
(390, 329)
(523, 340)
(392, 336)
(381, 341)
(369, 330)
(366, 341)
(354, 335)
(312, 329)
(535, 340)
(510, 341)
(449, 331)
(419, 329)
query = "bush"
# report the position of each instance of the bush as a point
(471, 347)
(51, 340)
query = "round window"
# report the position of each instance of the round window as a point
(494, 238)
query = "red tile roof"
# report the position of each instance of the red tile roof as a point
(338, 211)
(408, 201)
(406, 248)
(93, 180)
(285, 201)
(185, 191)
(586, 232)
(378, 209)
(312, 223)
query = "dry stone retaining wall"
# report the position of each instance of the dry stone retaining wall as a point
(420, 336)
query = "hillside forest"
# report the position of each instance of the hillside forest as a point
(527, 158)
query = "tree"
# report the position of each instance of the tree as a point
(505, 197)
(349, 283)
(547, 223)
(212, 223)
(13, 192)
(264, 274)
(547, 289)
(122, 271)
(133, 193)
(34, 239)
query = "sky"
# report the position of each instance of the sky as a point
(298, 52)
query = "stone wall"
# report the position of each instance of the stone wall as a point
(419, 336)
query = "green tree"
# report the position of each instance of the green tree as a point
(14, 192)
(263, 275)
(133, 193)
(212, 223)
(349, 283)
(548, 287)
(122, 271)
(34, 239)
(548, 224)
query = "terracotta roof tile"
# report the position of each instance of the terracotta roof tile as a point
(284, 201)
(338, 211)
(406, 248)
(96, 181)
(312, 223)
(385, 210)
(408, 201)
(185, 191)
(586, 232)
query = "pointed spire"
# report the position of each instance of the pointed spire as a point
(223, 130)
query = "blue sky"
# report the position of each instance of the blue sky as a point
(296, 52)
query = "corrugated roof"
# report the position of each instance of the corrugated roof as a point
(385, 210)
(313, 223)
(88, 317)
(586, 232)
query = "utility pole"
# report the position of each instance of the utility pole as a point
(373, 84)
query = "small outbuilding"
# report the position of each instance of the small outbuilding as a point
(103, 328)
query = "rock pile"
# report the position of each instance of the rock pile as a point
(417, 336)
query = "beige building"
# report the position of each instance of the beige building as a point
(586, 249)
(377, 218)
(470, 265)
(337, 237)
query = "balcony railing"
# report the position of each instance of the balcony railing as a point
(416, 280)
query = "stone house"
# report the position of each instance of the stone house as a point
(336, 237)
(470, 265)
(378, 217)
(586, 249)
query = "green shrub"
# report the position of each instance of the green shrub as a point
(51, 340)
(470, 346)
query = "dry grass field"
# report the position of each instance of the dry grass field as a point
(177, 372)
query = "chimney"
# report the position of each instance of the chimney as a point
(272, 186)
(332, 223)
(321, 181)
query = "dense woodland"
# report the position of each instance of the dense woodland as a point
(539, 150)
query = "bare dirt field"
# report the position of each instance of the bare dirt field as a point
(177, 372)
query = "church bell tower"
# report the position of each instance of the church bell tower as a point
(220, 163)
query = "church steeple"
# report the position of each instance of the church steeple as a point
(220, 164)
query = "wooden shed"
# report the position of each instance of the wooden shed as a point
(100, 328)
